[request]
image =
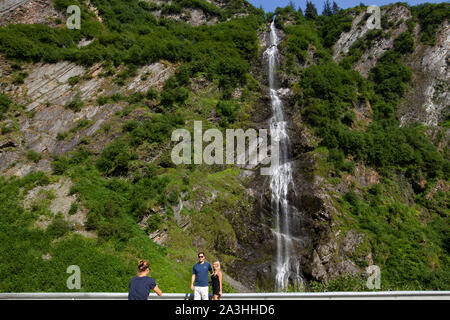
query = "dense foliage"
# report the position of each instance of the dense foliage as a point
(328, 93)
(430, 17)
(131, 35)
(105, 264)
(5, 102)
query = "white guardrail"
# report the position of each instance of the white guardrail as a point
(380, 295)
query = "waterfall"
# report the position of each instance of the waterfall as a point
(288, 273)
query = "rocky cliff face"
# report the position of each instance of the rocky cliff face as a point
(45, 93)
(428, 98)
(333, 250)
(398, 14)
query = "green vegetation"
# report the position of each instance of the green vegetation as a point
(75, 104)
(430, 17)
(5, 129)
(5, 103)
(328, 92)
(80, 124)
(408, 245)
(299, 40)
(74, 80)
(174, 98)
(132, 35)
(114, 206)
(105, 265)
(411, 252)
(34, 156)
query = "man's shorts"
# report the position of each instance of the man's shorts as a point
(201, 293)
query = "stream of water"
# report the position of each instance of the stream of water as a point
(287, 266)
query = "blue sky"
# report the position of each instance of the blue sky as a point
(271, 5)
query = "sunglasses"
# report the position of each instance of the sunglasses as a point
(201, 256)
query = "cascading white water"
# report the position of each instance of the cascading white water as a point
(287, 266)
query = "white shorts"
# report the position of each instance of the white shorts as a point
(201, 293)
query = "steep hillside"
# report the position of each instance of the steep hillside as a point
(378, 190)
(91, 139)
(87, 116)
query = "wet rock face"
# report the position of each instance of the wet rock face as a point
(323, 252)
(255, 239)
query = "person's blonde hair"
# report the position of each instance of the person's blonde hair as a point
(143, 265)
(218, 269)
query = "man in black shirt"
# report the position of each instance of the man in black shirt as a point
(141, 285)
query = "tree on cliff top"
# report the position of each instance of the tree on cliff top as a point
(311, 11)
(327, 11)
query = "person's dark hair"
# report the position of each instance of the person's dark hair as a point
(201, 252)
(143, 265)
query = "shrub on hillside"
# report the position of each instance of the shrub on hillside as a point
(5, 102)
(34, 156)
(58, 228)
(404, 43)
(174, 98)
(75, 104)
(227, 109)
(115, 158)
